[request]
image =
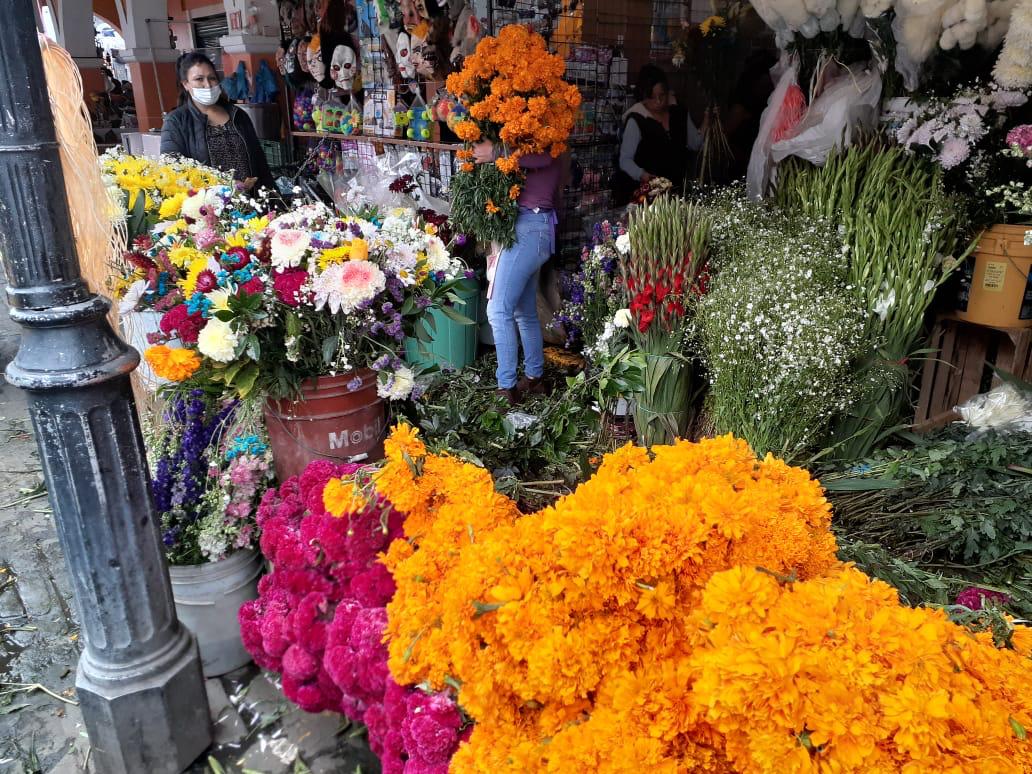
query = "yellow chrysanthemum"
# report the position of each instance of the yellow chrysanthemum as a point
(171, 206)
(189, 282)
(183, 255)
(333, 255)
(710, 23)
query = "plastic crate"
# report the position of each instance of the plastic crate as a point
(275, 153)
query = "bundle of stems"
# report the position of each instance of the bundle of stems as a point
(900, 230)
(669, 243)
(668, 251)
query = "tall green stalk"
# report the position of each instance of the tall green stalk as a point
(900, 230)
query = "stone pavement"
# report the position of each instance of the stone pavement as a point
(41, 729)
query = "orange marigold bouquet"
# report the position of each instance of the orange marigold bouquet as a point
(682, 611)
(514, 91)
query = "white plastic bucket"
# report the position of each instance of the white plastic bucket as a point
(208, 597)
(135, 327)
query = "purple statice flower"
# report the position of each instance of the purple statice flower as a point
(460, 240)
(354, 384)
(356, 230)
(381, 363)
(387, 308)
(469, 274)
(423, 302)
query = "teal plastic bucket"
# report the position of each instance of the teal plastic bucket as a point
(452, 345)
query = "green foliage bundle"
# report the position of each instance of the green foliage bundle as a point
(947, 504)
(900, 232)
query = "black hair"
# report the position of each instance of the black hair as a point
(649, 77)
(183, 64)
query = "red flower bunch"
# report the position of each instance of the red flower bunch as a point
(320, 620)
(287, 285)
(178, 322)
(658, 297)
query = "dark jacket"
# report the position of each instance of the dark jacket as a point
(183, 134)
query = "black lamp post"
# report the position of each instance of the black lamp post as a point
(139, 678)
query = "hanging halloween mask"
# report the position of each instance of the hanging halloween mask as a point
(342, 67)
(315, 61)
(405, 66)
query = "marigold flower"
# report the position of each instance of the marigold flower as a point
(172, 363)
(491, 208)
(514, 193)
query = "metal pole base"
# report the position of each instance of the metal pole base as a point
(136, 723)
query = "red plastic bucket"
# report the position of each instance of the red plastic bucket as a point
(329, 421)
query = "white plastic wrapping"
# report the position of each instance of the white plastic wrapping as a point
(1003, 409)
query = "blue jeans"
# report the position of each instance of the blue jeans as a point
(513, 304)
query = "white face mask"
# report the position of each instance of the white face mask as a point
(206, 97)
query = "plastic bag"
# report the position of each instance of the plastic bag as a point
(1005, 409)
(760, 162)
(849, 102)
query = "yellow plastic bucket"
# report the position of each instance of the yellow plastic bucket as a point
(1000, 294)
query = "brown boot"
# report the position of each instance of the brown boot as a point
(511, 395)
(528, 385)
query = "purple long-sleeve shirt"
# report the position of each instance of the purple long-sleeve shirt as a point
(541, 189)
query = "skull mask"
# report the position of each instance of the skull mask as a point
(405, 66)
(342, 67)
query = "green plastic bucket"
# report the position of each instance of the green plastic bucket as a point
(452, 345)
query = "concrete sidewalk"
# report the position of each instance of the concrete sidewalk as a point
(40, 729)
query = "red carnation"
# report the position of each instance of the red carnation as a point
(178, 322)
(288, 286)
(253, 286)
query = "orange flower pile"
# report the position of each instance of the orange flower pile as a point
(628, 627)
(172, 363)
(835, 675)
(515, 93)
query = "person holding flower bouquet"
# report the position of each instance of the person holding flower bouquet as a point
(512, 308)
(519, 117)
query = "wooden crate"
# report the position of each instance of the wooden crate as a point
(961, 367)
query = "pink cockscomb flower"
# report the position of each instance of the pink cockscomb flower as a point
(975, 598)
(206, 238)
(345, 286)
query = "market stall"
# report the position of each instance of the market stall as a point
(755, 525)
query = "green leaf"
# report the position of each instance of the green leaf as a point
(483, 608)
(12, 708)
(215, 766)
(244, 381)
(1019, 730)
(454, 316)
(329, 349)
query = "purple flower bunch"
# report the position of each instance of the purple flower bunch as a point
(321, 616)
(184, 458)
(595, 292)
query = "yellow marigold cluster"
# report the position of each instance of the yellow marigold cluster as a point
(448, 505)
(515, 92)
(172, 363)
(833, 674)
(680, 612)
(552, 622)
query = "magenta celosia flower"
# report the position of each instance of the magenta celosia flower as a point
(431, 727)
(974, 598)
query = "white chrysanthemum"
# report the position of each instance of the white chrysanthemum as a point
(396, 385)
(437, 257)
(401, 261)
(217, 341)
(289, 247)
(622, 318)
(623, 244)
(344, 286)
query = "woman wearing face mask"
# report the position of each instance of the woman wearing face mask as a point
(207, 127)
(657, 137)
